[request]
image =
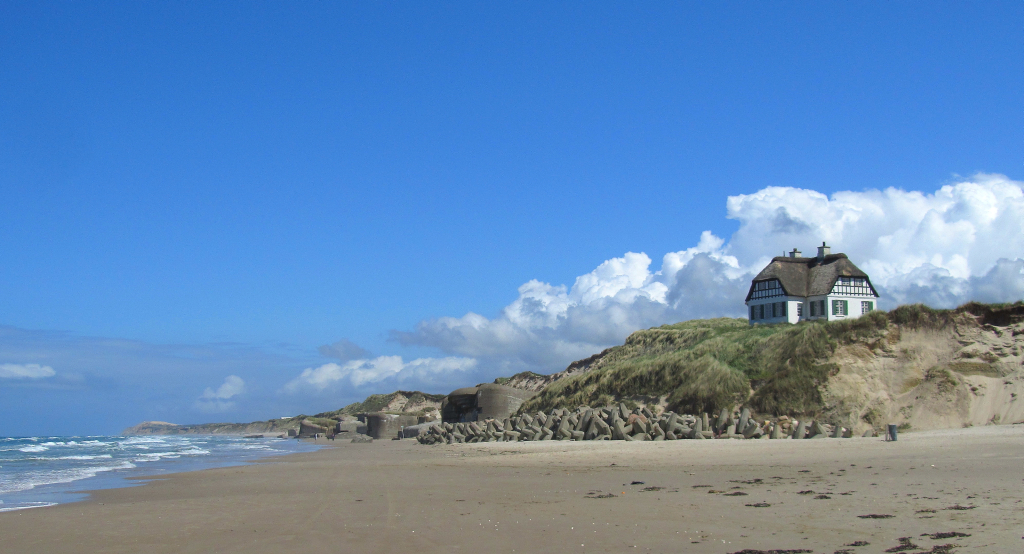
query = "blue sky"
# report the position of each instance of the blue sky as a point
(190, 192)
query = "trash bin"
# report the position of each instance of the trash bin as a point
(890, 434)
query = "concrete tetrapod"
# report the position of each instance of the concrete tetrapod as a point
(585, 423)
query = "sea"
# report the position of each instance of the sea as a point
(44, 471)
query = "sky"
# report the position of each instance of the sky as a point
(232, 212)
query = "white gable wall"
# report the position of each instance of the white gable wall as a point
(853, 304)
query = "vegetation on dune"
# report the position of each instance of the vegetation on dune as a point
(377, 403)
(522, 375)
(706, 365)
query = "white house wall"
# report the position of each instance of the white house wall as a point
(792, 304)
(791, 309)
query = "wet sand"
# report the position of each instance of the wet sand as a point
(713, 496)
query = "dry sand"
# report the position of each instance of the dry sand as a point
(400, 496)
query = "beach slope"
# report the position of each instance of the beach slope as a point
(959, 487)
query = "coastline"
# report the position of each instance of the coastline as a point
(565, 497)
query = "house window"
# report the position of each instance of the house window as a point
(866, 307)
(760, 312)
(782, 309)
(799, 309)
(840, 307)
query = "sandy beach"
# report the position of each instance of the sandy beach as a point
(963, 487)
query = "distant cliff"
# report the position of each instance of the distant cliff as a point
(398, 402)
(271, 427)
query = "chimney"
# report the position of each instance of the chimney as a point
(823, 250)
(794, 254)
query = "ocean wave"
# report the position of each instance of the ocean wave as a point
(82, 457)
(31, 480)
(193, 452)
(143, 440)
(251, 447)
(33, 448)
(88, 443)
(169, 455)
(26, 506)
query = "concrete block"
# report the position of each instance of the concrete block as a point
(670, 422)
(584, 422)
(623, 411)
(722, 422)
(618, 430)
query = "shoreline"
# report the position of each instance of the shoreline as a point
(80, 466)
(550, 496)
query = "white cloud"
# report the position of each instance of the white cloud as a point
(220, 400)
(360, 372)
(964, 241)
(25, 371)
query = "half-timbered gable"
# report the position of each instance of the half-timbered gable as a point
(793, 288)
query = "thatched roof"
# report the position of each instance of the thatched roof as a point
(809, 276)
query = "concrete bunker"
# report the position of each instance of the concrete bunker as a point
(487, 401)
(388, 426)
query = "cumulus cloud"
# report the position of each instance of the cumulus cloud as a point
(357, 373)
(25, 371)
(961, 242)
(221, 399)
(343, 350)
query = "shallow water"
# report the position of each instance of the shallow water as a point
(43, 471)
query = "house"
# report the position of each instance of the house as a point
(792, 288)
